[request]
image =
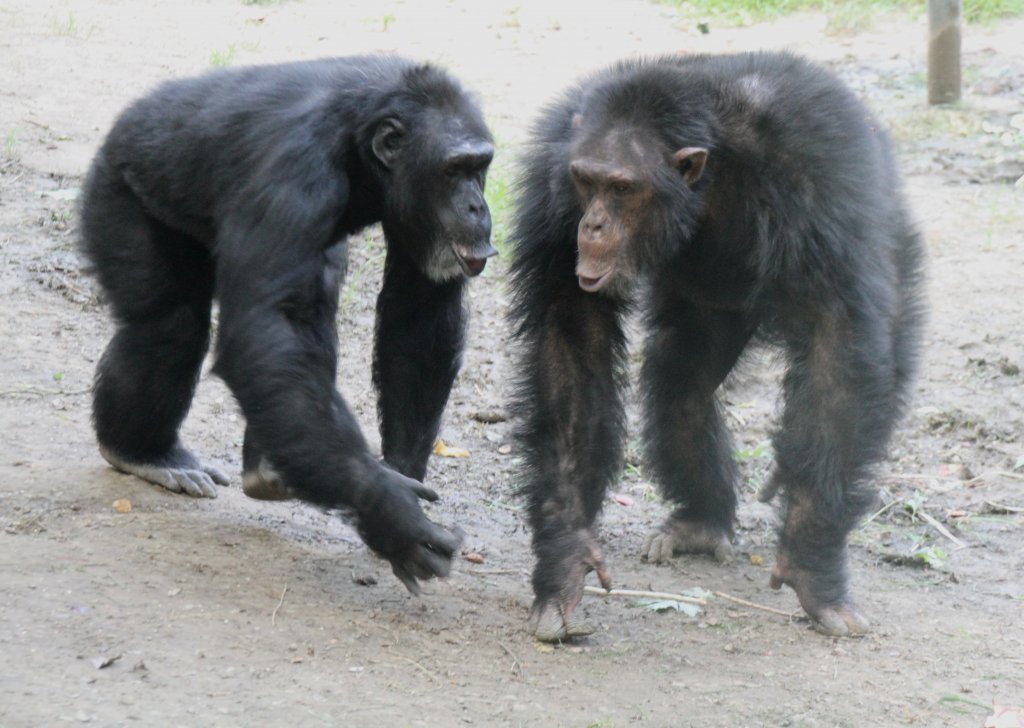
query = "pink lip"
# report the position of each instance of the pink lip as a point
(473, 266)
(591, 285)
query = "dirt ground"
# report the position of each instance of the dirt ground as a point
(233, 612)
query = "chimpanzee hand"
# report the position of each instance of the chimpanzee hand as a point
(562, 565)
(392, 523)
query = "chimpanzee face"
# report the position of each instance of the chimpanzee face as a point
(438, 172)
(627, 185)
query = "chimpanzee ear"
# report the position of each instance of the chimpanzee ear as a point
(690, 162)
(577, 121)
(387, 141)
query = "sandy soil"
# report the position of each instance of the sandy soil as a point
(234, 612)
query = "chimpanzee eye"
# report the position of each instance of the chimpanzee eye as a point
(620, 188)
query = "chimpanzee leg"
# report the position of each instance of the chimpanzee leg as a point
(159, 283)
(571, 436)
(842, 399)
(690, 351)
(260, 479)
(419, 339)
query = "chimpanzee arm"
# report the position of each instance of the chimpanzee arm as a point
(419, 340)
(277, 352)
(567, 400)
(571, 436)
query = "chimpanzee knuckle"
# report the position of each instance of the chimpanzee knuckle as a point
(724, 552)
(652, 547)
(217, 475)
(407, 579)
(186, 483)
(203, 484)
(165, 479)
(645, 547)
(575, 626)
(549, 625)
(830, 623)
(417, 565)
(445, 542)
(432, 563)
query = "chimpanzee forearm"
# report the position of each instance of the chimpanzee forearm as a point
(571, 412)
(418, 351)
(293, 410)
(571, 425)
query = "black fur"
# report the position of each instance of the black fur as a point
(796, 234)
(242, 185)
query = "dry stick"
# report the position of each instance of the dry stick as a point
(941, 529)
(913, 476)
(882, 510)
(753, 605)
(31, 390)
(273, 615)
(516, 667)
(426, 672)
(947, 479)
(490, 572)
(596, 591)
(1006, 474)
(680, 598)
(1001, 507)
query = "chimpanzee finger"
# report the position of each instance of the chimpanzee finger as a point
(406, 578)
(440, 540)
(427, 494)
(427, 563)
(420, 565)
(595, 560)
(421, 491)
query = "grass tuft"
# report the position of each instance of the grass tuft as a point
(843, 15)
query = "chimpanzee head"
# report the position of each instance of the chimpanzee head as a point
(638, 178)
(435, 149)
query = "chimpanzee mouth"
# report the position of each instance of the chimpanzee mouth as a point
(594, 284)
(473, 265)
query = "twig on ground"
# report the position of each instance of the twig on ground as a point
(891, 504)
(946, 479)
(1000, 508)
(489, 572)
(273, 615)
(517, 668)
(754, 605)
(940, 528)
(425, 671)
(596, 591)
(636, 594)
(31, 390)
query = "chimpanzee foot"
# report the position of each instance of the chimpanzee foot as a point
(265, 483)
(549, 623)
(676, 536)
(179, 471)
(834, 616)
(559, 586)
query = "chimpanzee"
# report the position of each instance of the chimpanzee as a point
(733, 199)
(241, 185)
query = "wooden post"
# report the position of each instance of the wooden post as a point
(944, 30)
